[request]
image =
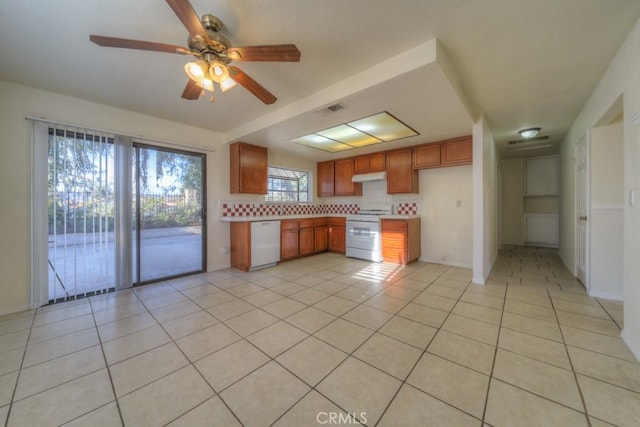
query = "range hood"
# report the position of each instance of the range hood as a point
(364, 177)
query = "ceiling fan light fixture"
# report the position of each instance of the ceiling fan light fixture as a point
(206, 84)
(529, 132)
(218, 71)
(227, 84)
(196, 70)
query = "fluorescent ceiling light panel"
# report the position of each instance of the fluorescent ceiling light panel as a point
(322, 143)
(350, 136)
(381, 127)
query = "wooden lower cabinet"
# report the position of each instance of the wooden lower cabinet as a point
(337, 235)
(306, 241)
(289, 246)
(400, 240)
(303, 237)
(320, 234)
(241, 245)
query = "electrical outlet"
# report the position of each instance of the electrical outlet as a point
(225, 249)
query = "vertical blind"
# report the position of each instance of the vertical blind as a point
(81, 213)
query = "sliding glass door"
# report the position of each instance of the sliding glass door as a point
(168, 222)
(114, 213)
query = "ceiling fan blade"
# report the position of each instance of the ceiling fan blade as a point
(189, 17)
(275, 52)
(191, 90)
(137, 44)
(251, 85)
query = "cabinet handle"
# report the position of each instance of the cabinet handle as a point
(582, 218)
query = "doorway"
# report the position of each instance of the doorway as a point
(600, 198)
(119, 213)
(168, 213)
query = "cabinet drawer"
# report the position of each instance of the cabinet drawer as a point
(336, 222)
(288, 225)
(320, 222)
(394, 224)
(305, 223)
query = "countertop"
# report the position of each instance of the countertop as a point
(283, 217)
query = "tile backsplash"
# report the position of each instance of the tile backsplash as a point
(252, 209)
(242, 209)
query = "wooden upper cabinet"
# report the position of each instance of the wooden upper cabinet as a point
(426, 156)
(325, 178)
(375, 162)
(248, 168)
(344, 171)
(458, 151)
(401, 177)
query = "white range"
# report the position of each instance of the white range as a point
(364, 239)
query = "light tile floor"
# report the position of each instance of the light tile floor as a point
(324, 339)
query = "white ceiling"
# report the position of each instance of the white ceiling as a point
(523, 63)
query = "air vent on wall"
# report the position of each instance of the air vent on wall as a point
(536, 139)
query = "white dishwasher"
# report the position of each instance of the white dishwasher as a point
(265, 244)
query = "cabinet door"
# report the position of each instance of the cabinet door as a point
(427, 156)
(377, 162)
(306, 241)
(337, 239)
(344, 171)
(241, 245)
(362, 164)
(457, 152)
(321, 238)
(541, 178)
(401, 177)
(325, 172)
(248, 169)
(394, 241)
(289, 244)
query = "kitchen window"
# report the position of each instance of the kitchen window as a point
(287, 185)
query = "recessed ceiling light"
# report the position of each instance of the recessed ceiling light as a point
(375, 129)
(529, 133)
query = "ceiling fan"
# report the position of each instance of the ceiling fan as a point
(214, 54)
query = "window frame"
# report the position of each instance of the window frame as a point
(298, 192)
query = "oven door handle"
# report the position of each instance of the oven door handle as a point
(361, 231)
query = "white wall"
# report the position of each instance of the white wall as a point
(620, 78)
(15, 165)
(446, 228)
(485, 200)
(606, 216)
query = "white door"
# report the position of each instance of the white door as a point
(582, 203)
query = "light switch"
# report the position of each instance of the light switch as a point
(632, 197)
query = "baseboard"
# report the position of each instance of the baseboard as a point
(615, 297)
(12, 310)
(218, 267)
(479, 281)
(566, 264)
(632, 341)
(449, 263)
